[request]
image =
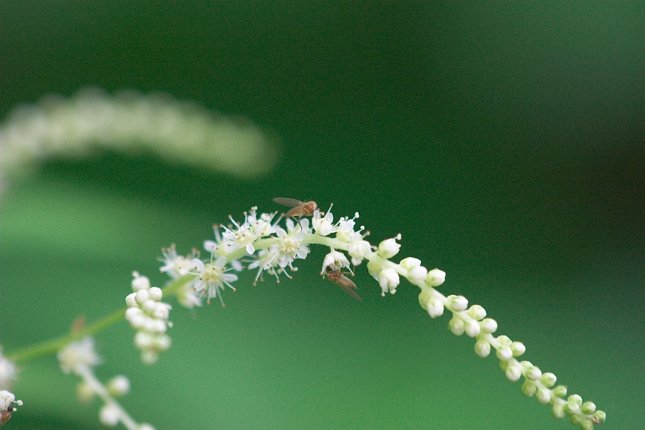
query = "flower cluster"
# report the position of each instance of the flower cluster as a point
(173, 130)
(264, 245)
(79, 358)
(148, 315)
(473, 322)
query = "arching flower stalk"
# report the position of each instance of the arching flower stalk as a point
(260, 244)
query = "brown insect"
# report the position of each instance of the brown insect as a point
(298, 208)
(346, 284)
(6, 415)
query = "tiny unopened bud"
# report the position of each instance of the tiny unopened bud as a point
(504, 353)
(155, 293)
(109, 415)
(548, 379)
(588, 407)
(472, 328)
(477, 312)
(513, 372)
(488, 325)
(544, 395)
(435, 277)
(482, 348)
(140, 282)
(84, 392)
(456, 326)
(518, 348)
(389, 247)
(409, 263)
(529, 388)
(457, 303)
(119, 386)
(417, 275)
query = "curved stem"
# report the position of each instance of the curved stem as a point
(51, 346)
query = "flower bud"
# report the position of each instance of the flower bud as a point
(118, 386)
(488, 325)
(140, 282)
(410, 263)
(130, 300)
(435, 308)
(388, 280)
(359, 250)
(142, 296)
(504, 353)
(477, 312)
(529, 388)
(435, 277)
(513, 372)
(588, 407)
(456, 326)
(560, 391)
(518, 348)
(548, 379)
(472, 328)
(389, 247)
(109, 415)
(417, 275)
(543, 395)
(155, 294)
(482, 348)
(457, 303)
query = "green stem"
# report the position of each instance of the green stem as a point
(51, 346)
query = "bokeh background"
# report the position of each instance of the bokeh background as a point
(504, 140)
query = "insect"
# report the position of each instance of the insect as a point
(5, 416)
(298, 208)
(347, 285)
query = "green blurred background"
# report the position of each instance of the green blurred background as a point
(504, 140)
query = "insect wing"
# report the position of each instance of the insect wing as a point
(349, 287)
(286, 201)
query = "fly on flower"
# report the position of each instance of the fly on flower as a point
(347, 285)
(298, 208)
(5, 416)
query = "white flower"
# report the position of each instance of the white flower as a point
(388, 280)
(78, 356)
(359, 250)
(389, 247)
(291, 244)
(431, 301)
(334, 260)
(245, 234)
(265, 260)
(323, 225)
(212, 278)
(7, 372)
(176, 265)
(188, 297)
(345, 229)
(8, 404)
